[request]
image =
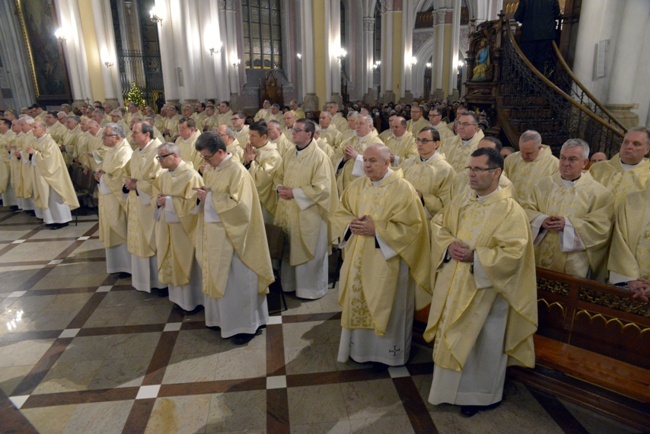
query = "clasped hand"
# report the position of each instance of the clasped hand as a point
(363, 226)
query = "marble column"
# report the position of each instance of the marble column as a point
(438, 54)
(167, 50)
(108, 52)
(310, 101)
(368, 58)
(333, 64)
(387, 52)
(232, 54)
(406, 78)
(455, 43)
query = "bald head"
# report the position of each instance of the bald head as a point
(376, 161)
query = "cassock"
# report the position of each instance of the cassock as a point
(112, 208)
(175, 236)
(144, 168)
(483, 315)
(263, 170)
(524, 175)
(348, 171)
(189, 154)
(629, 257)
(404, 148)
(588, 207)
(53, 190)
(385, 277)
(620, 178)
(433, 178)
(233, 251)
(458, 151)
(304, 218)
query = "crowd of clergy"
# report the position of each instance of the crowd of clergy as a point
(427, 212)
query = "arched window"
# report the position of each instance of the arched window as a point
(262, 35)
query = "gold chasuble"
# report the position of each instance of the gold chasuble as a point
(497, 229)
(457, 154)
(403, 147)
(240, 229)
(629, 255)
(589, 209)
(51, 171)
(525, 175)
(144, 168)
(433, 178)
(415, 127)
(16, 165)
(188, 153)
(368, 281)
(263, 170)
(312, 172)
(112, 207)
(346, 174)
(175, 240)
(619, 181)
(5, 159)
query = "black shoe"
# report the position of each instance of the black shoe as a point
(160, 292)
(197, 309)
(471, 410)
(123, 275)
(242, 338)
(56, 226)
(379, 367)
(14, 207)
(31, 213)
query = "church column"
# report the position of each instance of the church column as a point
(308, 63)
(333, 23)
(627, 54)
(74, 50)
(391, 58)
(212, 65)
(101, 11)
(13, 56)
(408, 67)
(233, 57)
(368, 58)
(455, 43)
(167, 50)
(438, 53)
(224, 63)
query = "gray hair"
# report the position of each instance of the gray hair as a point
(229, 132)
(531, 136)
(274, 122)
(353, 115)
(75, 118)
(367, 119)
(117, 113)
(641, 129)
(171, 148)
(577, 143)
(116, 129)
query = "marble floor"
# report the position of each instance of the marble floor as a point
(83, 352)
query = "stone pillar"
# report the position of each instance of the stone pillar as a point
(168, 51)
(387, 51)
(368, 57)
(438, 54)
(333, 64)
(233, 51)
(406, 35)
(310, 101)
(455, 43)
(106, 42)
(628, 52)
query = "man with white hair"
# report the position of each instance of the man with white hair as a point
(337, 118)
(350, 165)
(401, 142)
(277, 137)
(571, 216)
(328, 131)
(531, 163)
(232, 144)
(264, 113)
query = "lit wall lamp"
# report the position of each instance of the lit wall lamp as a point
(155, 16)
(299, 56)
(414, 60)
(216, 49)
(342, 54)
(61, 34)
(460, 63)
(377, 64)
(236, 62)
(429, 65)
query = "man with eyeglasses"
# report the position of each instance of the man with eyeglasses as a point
(262, 160)
(531, 163)
(385, 274)
(306, 189)
(239, 127)
(435, 119)
(484, 308)
(112, 205)
(401, 142)
(231, 245)
(459, 148)
(187, 135)
(571, 216)
(417, 121)
(142, 171)
(176, 228)
(429, 173)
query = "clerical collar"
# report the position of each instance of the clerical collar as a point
(146, 146)
(298, 149)
(570, 182)
(482, 199)
(429, 159)
(228, 157)
(378, 183)
(465, 142)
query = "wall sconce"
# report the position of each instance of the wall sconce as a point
(428, 65)
(216, 49)
(342, 54)
(108, 64)
(414, 60)
(61, 34)
(155, 16)
(236, 62)
(299, 56)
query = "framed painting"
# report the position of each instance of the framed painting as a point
(38, 23)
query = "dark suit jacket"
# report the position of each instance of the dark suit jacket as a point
(537, 18)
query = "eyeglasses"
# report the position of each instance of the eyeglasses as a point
(208, 158)
(480, 169)
(433, 115)
(297, 130)
(424, 141)
(160, 157)
(109, 135)
(464, 124)
(235, 118)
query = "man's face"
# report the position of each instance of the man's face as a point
(199, 108)
(274, 132)
(275, 109)
(299, 136)
(426, 145)
(416, 113)
(184, 131)
(27, 127)
(213, 159)
(332, 108)
(293, 105)
(397, 128)
(529, 151)
(634, 147)
(352, 123)
(98, 117)
(3, 127)
(266, 104)
(115, 118)
(221, 130)
(374, 165)
(223, 108)
(467, 127)
(139, 138)
(572, 163)
(166, 159)
(171, 112)
(362, 127)
(187, 111)
(50, 120)
(256, 140)
(237, 122)
(289, 119)
(482, 181)
(434, 117)
(61, 117)
(93, 128)
(324, 121)
(598, 157)
(132, 108)
(209, 111)
(39, 129)
(17, 127)
(109, 138)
